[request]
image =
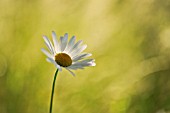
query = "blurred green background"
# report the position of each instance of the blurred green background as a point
(130, 40)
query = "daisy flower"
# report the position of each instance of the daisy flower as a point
(67, 54)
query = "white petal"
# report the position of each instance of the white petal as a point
(46, 53)
(49, 48)
(75, 67)
(78, 51)
(81, 56)
(49, 44)
(70, 71)
(56, 43)
(50, 60)
(59, 68)
(75, 46)
(53, 61)
(72, 41)
(84, 63)
(70, 44)
(66, 35)
(93, 64)
(63, 41)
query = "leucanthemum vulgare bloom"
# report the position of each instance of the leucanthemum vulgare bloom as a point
(67, 54)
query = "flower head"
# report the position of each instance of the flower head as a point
(67, 54)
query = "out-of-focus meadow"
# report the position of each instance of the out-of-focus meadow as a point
(130, 40)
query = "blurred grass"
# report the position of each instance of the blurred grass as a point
(129, 39)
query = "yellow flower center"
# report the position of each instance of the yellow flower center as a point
(63, 59)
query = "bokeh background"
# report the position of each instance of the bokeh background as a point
(130, 40)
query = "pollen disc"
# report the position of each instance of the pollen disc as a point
(63, 59)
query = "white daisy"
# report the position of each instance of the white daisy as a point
(65, 54)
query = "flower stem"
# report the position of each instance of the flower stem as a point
(52, 93)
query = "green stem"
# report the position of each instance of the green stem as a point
(52, 93)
